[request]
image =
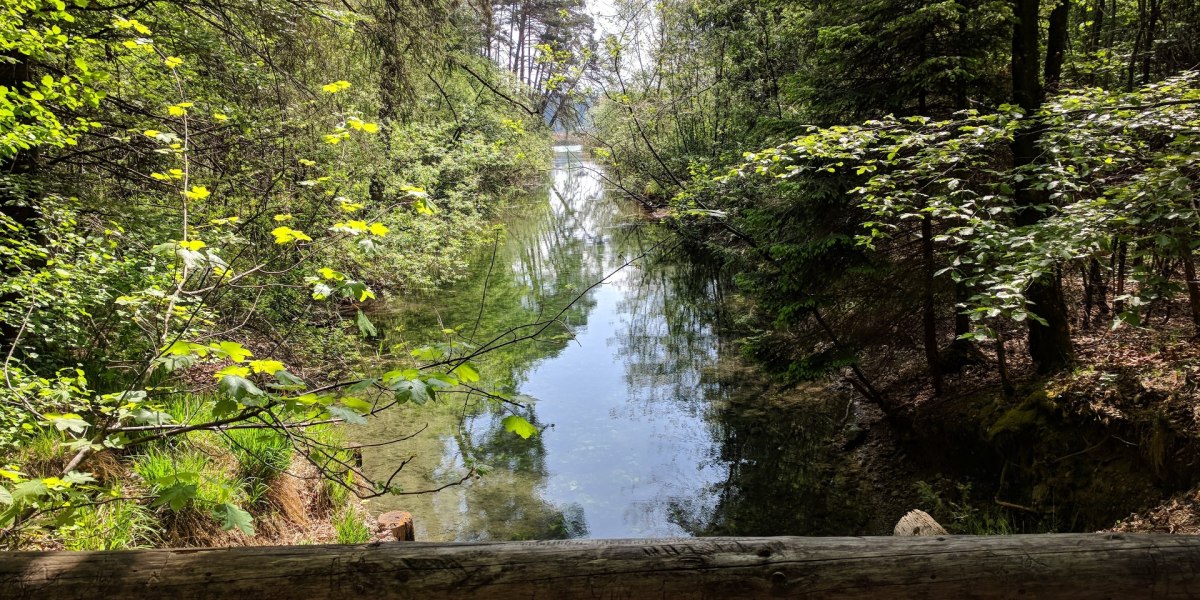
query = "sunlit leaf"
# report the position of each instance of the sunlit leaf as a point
(519, 426)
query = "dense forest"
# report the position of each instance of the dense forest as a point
(200, 200)
(975, 219)
(980, 216)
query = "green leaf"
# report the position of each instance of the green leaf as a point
(408, 389)
(466, 373)
(224, 406)
(287, 381)
(233, 517)
(346, 414)
(440, 381)
(6, 497)
(78, 478)
(233, 350)
(519, 426)
(357, 290)
(357, 404)
(239, 387)
(365, 326)
(176, 496)
(151, 417)
(428, 353)
(68, 422)
(29, 490)
(363, 384)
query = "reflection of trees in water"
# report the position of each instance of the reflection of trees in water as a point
(548, 255)
(669, 336)
(777, 469)
(546, 258)
(507, 504)
(784, 472)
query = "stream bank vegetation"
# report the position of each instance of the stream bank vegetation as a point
(201, 202)
(980, 218)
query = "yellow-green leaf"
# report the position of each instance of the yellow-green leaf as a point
(270, 367)
(519, 426)
(198, 192)
(284, 235)
(335, 87)
(235, 370)
(233, 350)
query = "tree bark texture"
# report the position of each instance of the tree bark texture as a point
(1049, 344)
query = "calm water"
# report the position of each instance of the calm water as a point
(650, 426)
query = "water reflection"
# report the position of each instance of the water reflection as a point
(650, 425)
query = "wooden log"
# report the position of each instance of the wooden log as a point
(918, 522)
(1077, 566)
(399, 524)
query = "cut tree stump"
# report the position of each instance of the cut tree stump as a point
(399, 523)
(1077, 566)
(918, 522)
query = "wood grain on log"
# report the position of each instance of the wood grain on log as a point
(397, 523)
(1041, 566)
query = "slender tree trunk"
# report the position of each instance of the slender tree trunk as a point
(1002, 364)
(1049, 344)
(1118, 301)
(962, 321)
(1088, 296)
(1138, 45)
(1056, 43)
(1100, 285)
(1193, 288)
(928, 308)
(1097, 25)
(1110, 31)
(1151, 32)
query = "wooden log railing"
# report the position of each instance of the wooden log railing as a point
(1036, 566)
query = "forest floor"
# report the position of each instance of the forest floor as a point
(1114, 442)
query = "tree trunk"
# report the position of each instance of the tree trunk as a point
(1056, 43)
(1097, 25)
(1089, 293)
(1118, 301)
(1100, 288)
(1077, 566)
(1151, 32)
(1193, 287)
(1138, 45)
(1002, 364)
(928, 308)
(1049, 344)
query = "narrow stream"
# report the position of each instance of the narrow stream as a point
(650, 425)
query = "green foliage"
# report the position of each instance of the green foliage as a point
(200, 206)
(182, 477)
(350, 527)
(1130, 149)
(868, 237)
(262, 453)
(960, 515)
(114, 525)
